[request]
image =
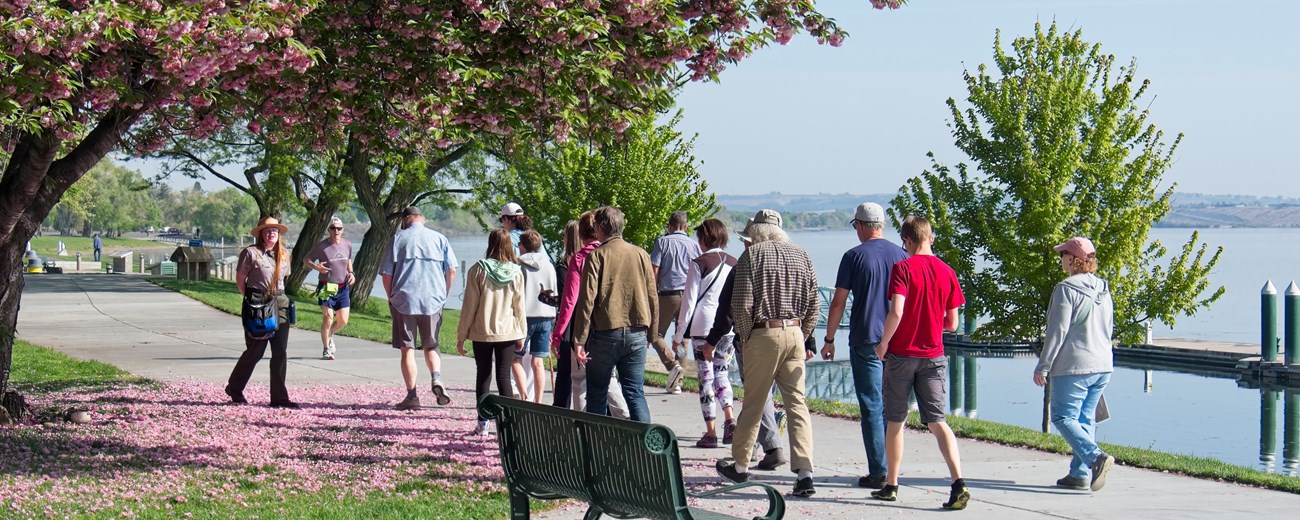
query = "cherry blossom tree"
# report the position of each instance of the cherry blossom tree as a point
(76, 75)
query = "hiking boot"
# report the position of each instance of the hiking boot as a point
(958, 496)
(728, 432)
(1073, 482)
(772, 459)
(441, 394)
(709, 440)
(728, 471)
(675, 379)
(410, 403)
(1100, 468)
(872, 482)
(887, 493)
(804, 487)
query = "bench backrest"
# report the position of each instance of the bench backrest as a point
(624, 468)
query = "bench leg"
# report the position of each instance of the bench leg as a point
(593, 513)
(518, 505)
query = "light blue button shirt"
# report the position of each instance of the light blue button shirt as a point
(672, 255)
(417, 261)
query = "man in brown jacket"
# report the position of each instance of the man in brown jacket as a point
(613, 320)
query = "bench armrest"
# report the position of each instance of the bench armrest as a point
(775, 502)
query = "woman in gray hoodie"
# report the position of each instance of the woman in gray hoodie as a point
(1077, 357)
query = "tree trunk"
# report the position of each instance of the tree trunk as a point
(32, 183)
(367, 259)
(384, 215)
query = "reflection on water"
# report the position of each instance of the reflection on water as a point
(1174, 412)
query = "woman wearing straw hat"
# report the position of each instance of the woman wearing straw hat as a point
(260, 274)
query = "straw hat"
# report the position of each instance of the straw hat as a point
(268, 222)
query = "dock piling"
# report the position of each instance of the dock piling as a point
(1268, 322)
(1292, 325)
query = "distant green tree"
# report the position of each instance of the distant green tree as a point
(1061, 147)
(648, 174)
(119, 199)
(228, 214)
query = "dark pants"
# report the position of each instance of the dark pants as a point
(253, 351)
(563, 388)
(622, 350)
(484, 351)
(97, 252)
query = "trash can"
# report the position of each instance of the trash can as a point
(122, 261)
(192, 263)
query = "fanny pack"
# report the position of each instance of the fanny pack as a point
(259, 315)
(328, 290)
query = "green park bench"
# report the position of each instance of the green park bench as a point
(623, 469)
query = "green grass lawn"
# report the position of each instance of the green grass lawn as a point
(48, 246)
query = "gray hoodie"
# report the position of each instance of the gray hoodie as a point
(539, 274)
(1080, 320)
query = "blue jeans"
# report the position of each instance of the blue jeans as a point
(1074, 410)
(538, 340)
(867, 373)
(624, 350)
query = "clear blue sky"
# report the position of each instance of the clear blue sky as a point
(806, 118)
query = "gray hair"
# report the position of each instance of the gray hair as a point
(677, 220)
(760, 233)
(609, 220)
(336, 220)
(871, 225)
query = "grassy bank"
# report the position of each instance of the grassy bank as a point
(373, 323)
(48, 245)
(168, 450)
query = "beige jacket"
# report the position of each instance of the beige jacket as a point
(492, 312)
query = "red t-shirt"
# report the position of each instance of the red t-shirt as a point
(931, 289)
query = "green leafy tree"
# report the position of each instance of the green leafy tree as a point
(228, 214)
(649, 174)
(1060, 146)
(120, 200)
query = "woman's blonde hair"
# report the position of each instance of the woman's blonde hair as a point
(1083, 265)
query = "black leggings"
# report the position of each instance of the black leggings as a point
(563, 387)
(505, 356)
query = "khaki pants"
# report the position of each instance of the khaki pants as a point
(775, 355)
(669, 306)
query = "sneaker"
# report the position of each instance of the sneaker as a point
(1072, 482)
(872, 482)
(410, 403)
(481, 431)
(709, 440)
(728, 432)
(804, 487)
(728, 471)
(441, 394)
(957, 497)
(332, 348)
(326, 355)
(772, 459)
(1100, 468)
(780, 422)
(675, 379)
(887, 493)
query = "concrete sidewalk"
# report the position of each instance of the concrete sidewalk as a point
(156, 333)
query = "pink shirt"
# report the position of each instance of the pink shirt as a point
(569, 299)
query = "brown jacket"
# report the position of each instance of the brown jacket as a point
(617, 290)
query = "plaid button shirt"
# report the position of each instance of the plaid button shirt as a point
(774, 280)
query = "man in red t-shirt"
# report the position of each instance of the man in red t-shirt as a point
(924, 296)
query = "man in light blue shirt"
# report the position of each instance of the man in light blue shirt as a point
(417, 270)
(672, 254)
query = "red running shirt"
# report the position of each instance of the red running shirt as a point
(931, 289)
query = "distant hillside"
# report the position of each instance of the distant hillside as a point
(1189, 209)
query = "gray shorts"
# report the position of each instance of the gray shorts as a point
(927, 376)
(406, 326)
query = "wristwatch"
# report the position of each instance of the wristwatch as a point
(829, 340)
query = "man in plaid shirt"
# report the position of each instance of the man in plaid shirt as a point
(775, 306)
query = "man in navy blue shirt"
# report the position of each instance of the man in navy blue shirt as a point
(864, 272)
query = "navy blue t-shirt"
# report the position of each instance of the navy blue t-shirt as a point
(864, 270)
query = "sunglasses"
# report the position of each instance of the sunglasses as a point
(336, 229)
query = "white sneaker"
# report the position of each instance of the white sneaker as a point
(331, 348)
(481, 431)
(675, 379)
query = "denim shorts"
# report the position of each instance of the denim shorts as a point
(538, 340)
